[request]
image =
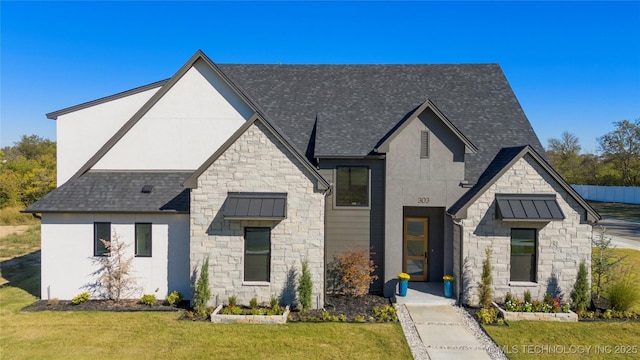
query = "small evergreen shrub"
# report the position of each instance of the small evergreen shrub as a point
(80, 298)
(305, 286)
(580, 297)
(174, 298)
(233, 300)
(527, 296)
(203, 292)
(148, 299)
(273, 302)
(485, 292)
(253, 303)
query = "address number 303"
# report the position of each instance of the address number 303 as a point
(423, 200)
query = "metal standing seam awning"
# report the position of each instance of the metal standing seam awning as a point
(255, 206)
(528, 207)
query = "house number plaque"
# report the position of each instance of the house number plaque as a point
(423, 200)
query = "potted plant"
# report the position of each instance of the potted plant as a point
(403, 279)
(448, 285)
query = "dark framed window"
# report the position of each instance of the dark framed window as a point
(352, 186)
(257, 254)
(523, 254)
(143, 239)
(101, 231)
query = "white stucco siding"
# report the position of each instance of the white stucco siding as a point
(189, 123)
(81, 133)
(67, 253)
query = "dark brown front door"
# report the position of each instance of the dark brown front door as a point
(416, 241)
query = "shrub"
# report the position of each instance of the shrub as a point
(485, 292)
(253, 303)
(355, 269)
(174, 298)
(527, 296)
(305, 286)
(623, 293)
(487, 315)
(580, 298)
(273, 302)
(80, 298)
(233, 300)
(115, 271)
(386, 313)
(148, 299)
(203, 293)
(603, 262)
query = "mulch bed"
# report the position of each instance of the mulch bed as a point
(98, 305)
(335, 305)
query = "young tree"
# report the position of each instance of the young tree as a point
(355, 269)
(603, 261)
(203, 292)
(115, 273)
(622, 146)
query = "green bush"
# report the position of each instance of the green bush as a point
(305, 286)
(386, 313)
(174, 298)
(527, 297)
(233, 300)
(80, 298)
(148, 299)
(273, 302)
(487, 316)
(253, 303)
(623, 294)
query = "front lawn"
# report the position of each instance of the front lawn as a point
(69, 335)
(554, 340)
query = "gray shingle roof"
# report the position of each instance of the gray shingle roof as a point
(118, 191)
(357, 105)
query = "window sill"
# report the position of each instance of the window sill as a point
(256, 283)
(522, 284)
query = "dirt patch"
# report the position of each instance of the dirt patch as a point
(6, 230)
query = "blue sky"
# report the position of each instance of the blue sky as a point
(574, 66)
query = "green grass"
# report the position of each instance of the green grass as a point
(617, 210)
(19, 244)
(518, 340)
(78, 335)
(13, 216)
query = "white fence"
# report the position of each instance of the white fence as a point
(619, 194)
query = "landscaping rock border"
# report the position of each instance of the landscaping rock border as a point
(248, 319)
(536, 316)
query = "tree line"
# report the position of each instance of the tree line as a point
(618, 164)
(27, 171)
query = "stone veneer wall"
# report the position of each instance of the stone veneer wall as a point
(257, 162)
(561, 244)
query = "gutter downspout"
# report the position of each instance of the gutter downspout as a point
(460, 262)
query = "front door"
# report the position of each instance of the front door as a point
(416, 241)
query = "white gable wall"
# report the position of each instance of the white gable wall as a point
(67, 253)
(189, 123)
(81, 133)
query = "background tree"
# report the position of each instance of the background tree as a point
(622, 147)
(564, 154)
(27, 171)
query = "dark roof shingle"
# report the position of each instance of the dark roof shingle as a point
(118, 191)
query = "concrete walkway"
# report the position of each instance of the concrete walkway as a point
(439, 325)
